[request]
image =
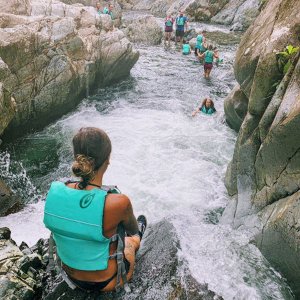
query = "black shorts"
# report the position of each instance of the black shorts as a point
(180, 33)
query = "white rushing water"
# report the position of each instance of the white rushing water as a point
(169, 164)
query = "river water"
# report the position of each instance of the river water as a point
(170, 165)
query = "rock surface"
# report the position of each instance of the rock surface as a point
(264, 174)
(51, 53)
(142, 29)
(237, 13)
(158, 273)
(9, 202)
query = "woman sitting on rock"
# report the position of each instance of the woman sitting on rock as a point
(88, 221)
(207, 107)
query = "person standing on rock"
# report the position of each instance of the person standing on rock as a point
(181, 26)
(169, 21)
(208, 56)
(109, 10)
(207, 107)
(98, 8)
(93, 226)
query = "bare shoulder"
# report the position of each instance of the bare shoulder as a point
(118, 200)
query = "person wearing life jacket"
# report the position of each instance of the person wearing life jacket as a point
(207, 107)
(186, 48)
(98, 8)
(200, 43)
(169, 21)
(181, 26)
(109, 10)
(93, 226)
(208, 56)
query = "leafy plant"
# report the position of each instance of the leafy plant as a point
(285, 58)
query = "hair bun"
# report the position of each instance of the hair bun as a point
(83, 166)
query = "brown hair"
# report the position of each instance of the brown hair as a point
(204, 102)
(91, 147)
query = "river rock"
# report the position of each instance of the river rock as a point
(159, 274)
(266, 163)
(142, 29)
(235, 107)
(50, 56)
(9, 202)
(238, 13)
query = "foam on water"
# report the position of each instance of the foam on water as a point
(170, 165)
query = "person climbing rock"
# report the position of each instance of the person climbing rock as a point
(181, 26)
(200, 43)
(208, 56)
(98, 8)
(169, 21)
(93, 226)
(207, 107)
(186, 48)
(109, 10)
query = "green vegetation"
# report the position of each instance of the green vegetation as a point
(285, 58)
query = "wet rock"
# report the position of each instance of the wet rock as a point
(159, 274)
(265, 169)
(235, 107)
(142, 29)
(9, 202)
(50, 56)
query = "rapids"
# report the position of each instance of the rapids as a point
(170, 165)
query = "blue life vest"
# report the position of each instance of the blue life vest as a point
(199, 41)
(208, 111)
(180, 21)
(186, 49)
(169, 23)
(209, 57)
(75, 217)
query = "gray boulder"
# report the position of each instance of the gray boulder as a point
(142, 29)
(9, 202)
(264, 174)
(240, 14)
(50, 56)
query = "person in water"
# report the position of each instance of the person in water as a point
(85, 217)
(201, 46)
(169, 21)
(207, 107)
(208, 56)
(186, 48)
(181, 26)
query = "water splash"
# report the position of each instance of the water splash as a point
(15, 175)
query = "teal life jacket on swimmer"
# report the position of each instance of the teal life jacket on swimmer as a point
(209, 57)
(208, 111)
(75, 218)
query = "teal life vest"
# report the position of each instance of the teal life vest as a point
(75, 218)
(180, 21)
(209, 57)
(186, 48)
(169, 23)
(199, 41)
(208, 111)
